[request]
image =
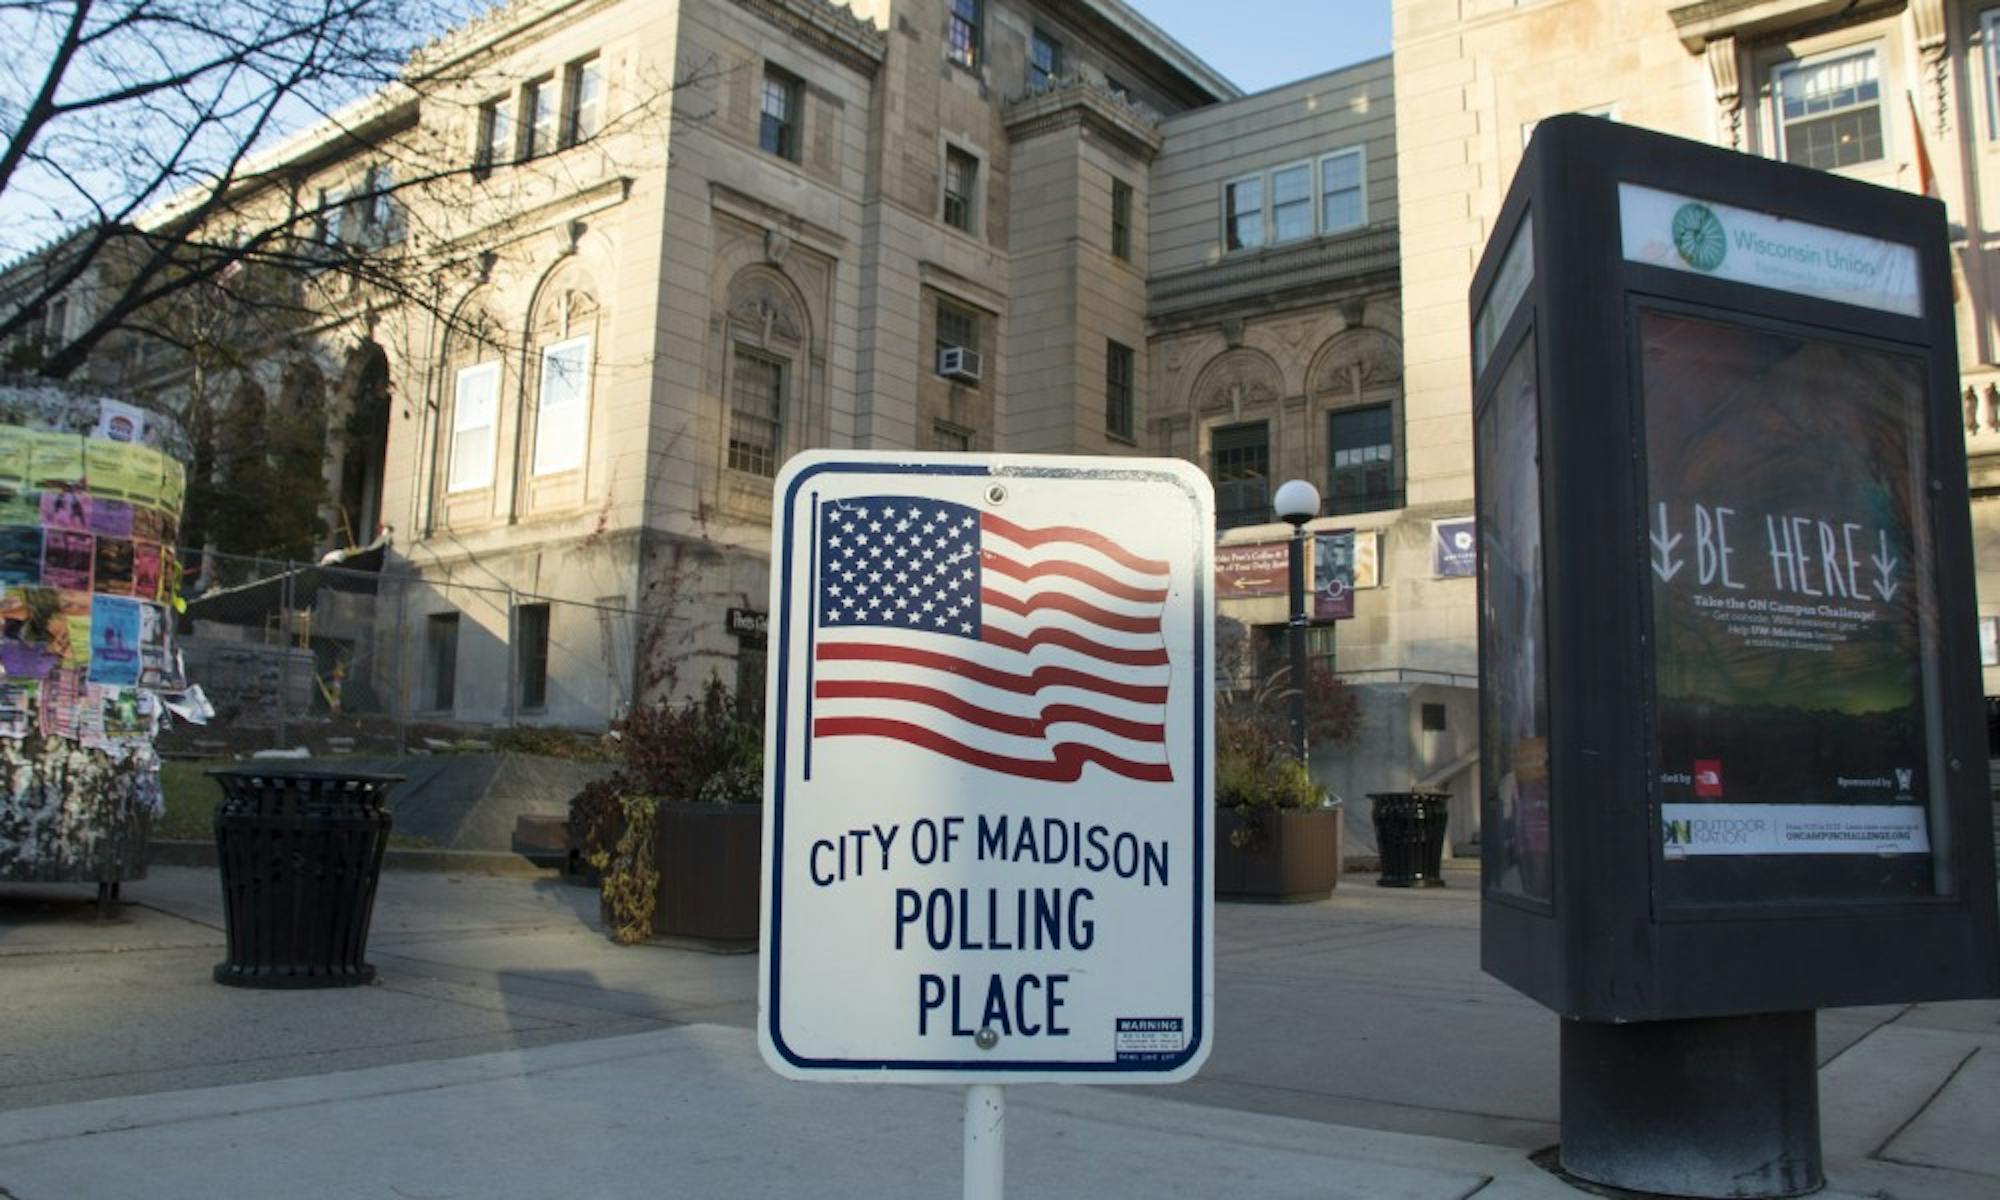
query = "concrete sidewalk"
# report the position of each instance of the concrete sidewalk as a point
(511, 1051)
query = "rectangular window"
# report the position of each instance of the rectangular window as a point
(496, 133)
(1989, 37)
(1239, 464)
(1343, 197)
(472, 413)
(332, 210)
(778, 128)
(1119, 372)
(1121, 220)
(383, 216)
(441, 659)
(1044, 61)
(756, 414)
(562, 419)
(55, 328)
(585, 102)
(538, 111)
(956, 327)
(1829, 112)
(961, 176)
(1243, 213)
(950, 438)
(1274, 651)
(531, 643)
(1363, 475)
(1292, 203)
(962, 39)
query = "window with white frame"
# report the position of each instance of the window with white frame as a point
(473, 405)
(538, 114)
(1243, 213)
(1292, 202)
(756, 413)
(585, 101)
(562, 419)
(1045, 61)
(962, 39)
(778, 123)
(961, 180)
(1989, 38)
(496, 133)
(1829, 110)
(1343, 191)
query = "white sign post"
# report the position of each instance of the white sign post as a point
(988, 775)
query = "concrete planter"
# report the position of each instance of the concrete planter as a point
(1294, 856)
(710, 858)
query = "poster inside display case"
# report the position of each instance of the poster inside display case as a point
(1514, 696)
(1794, 731)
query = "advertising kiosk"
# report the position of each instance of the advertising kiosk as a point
(1733, 760)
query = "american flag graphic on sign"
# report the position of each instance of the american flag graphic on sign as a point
(1032, 652)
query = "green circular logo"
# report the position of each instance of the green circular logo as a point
(1698, 237)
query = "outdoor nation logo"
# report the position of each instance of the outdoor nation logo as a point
(1698, 237)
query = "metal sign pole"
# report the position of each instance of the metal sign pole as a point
(985, 1142)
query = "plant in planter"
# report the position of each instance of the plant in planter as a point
(649, 830)
(1283, 836)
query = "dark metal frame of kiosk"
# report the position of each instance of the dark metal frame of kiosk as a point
(1604, 948)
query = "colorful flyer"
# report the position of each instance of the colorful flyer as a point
(149, 524)
(62, 702)
(123, 714)
(20, 507)
(18, 718)
(20, 556)
(55, 460)
(67, 559)
(15, 449)
(146, 570)
(131, 472)
(110, 518)
(175, 488)
(114, 641)
(66, 509)
(118, 421)
(75, 624)
(114, 569)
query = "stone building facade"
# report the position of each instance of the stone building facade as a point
(691, 239)
(1901, 94)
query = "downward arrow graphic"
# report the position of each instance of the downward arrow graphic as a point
(1665, 565)
(1885, 567)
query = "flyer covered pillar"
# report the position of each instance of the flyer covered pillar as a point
(1733, 754)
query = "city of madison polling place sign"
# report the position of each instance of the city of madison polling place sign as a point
(988, 770)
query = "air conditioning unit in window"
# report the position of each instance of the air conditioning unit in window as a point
(957, 362)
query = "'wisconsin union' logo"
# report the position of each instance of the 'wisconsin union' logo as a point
(1698, 237)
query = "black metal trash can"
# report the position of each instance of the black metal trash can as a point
(1409, 834)
(300, 851)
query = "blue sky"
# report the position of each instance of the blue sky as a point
(1262, 43)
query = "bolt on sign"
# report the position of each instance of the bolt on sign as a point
(988, 770)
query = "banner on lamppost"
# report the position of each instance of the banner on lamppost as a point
(1333, 576)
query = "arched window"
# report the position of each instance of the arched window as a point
(564, 338)
(472, 388)
(767, 341)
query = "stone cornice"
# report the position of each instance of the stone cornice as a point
(1360, 258)
(1080, 102)
(751, 210)
(1709, 20)
(830, 28)
(582, 202)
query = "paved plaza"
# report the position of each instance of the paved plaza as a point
(510, 1050)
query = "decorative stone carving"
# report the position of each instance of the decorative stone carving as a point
(1992, 409)
(1971, 410)
(1721, 55)
(1933, 46)
(1237, 379)
(1376, 356)
(765, 303)
(777, 244)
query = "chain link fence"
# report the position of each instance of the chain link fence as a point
(364, 657)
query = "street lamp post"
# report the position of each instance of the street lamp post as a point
(1296, 503)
